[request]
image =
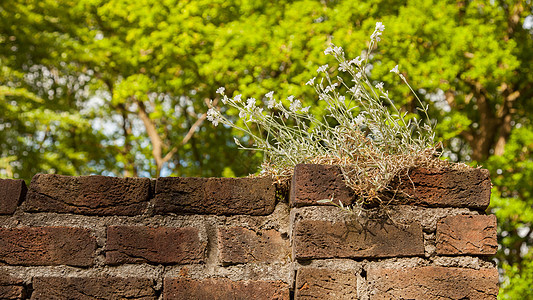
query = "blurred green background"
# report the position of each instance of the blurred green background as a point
(119, 87)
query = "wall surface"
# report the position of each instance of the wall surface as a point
(96, 237)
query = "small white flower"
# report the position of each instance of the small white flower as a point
(357, 61)
(306, 109)
(337, 50)
(271, 103)
(221, 90)
(269, 95)
(295, 106)
(322, 69)
(395, 70)
(213, 116)
(344, 66)
(328, 51)
(242, 114)
(379, 86)
(376, 36)
(250, 103)
(237, 98)
(358, 75)
(311, 81)
(225, 99)
(290, 98)
(342, 98)
(379, 26)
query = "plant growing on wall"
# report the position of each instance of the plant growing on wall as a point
(363, 132)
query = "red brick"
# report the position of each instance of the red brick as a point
(93, 288)
(219, 196)
(324, 239)
(314, 283)
(224, 289)
(464, 234)
(11, 288)
(238, 245)
(311, 183)
(447, 188)
(89, 195)
(12, 193)
(34, 246)
(425, 187)
(433, 283)
(161, 245)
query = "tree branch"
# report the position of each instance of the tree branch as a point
(191, 132)
(151, 130)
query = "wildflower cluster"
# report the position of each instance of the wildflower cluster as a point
(363, 132)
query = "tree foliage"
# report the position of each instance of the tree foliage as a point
(119, 87)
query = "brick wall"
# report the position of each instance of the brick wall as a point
(96, 237)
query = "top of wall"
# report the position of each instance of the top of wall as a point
(100, 195)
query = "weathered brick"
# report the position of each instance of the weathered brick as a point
(12, 193)
(89, 288)
(32, 246)
(315, 283)
(89, 195)
(325, 239)
(447, 188)
(238, 245)
(425, 187)
(219, 196)
(161, 245)
(11, 288)
(311, 183)
(432, 283)
(466, 234)
(224, 289)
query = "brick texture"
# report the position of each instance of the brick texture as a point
(161, 245)
(11, 288)
(311, 183)
(32, 246)
(464, 235)
(433, 283)
(90, 195)
(432, 188)
(12, 193)
(219, 196)
(324, 239)
(238, 245)
(314, 283)
(447, 188)
(224, 289)
(91, 288)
